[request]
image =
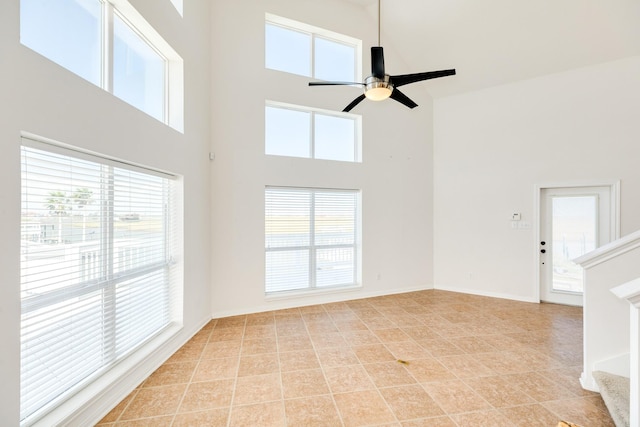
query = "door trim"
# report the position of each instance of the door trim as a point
(614, 186)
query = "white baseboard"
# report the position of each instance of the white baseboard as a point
(481, 293)
(332, 296)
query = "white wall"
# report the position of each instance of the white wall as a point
(395, 176)
(493, 146)
(40, 97)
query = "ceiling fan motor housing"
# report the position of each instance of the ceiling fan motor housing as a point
(378, 89)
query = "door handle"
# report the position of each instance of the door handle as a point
(543, 251)
(543, 243)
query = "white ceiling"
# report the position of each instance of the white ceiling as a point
(493, 42)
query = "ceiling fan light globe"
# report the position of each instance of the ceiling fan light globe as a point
(378, 93)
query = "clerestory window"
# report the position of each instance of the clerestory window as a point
(109, 44)
(298, 48)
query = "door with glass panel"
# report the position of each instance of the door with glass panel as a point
(573, 221)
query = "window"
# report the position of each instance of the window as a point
(138, 70)
(99, 270)
(112, 47)
(311, 238)
(311, 133)
(302, 49)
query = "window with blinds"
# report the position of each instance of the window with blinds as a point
(98, 267)
(311, 238)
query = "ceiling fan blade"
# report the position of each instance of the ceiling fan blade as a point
(353, 103)
(405, 79)
(335, 84)
(402, 98)
(377, 62)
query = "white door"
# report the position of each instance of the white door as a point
(573, 221)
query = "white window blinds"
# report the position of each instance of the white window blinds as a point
(98, 276)
(311, 238)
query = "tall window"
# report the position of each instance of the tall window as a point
(311, 238)
(112, 47)
(98, 266)
(302, 49)
(311, 133)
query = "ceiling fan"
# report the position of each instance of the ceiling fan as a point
(379, 85)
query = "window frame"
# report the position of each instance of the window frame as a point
(357, 138)
(170, 269)
(313, 248)
(315, 32)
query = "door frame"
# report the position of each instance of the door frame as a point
(614, 188)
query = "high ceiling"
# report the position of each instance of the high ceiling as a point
(494, 42)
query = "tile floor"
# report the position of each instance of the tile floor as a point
(429, 358)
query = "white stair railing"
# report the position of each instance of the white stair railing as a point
(630, 292)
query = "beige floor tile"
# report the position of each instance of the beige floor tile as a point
(344, 379)
(207, 395)
(172, 373)
(290, 327)
(328, 340)
(420, 333)
(490, 418)
(439, 347)
(337, 356)
(317, 411)
(465, 366)
(253, 332)
(407, 350)
(498, 392)
(262, 414)
(231, 322)
(211, 418)
(294, 343)
(472, 345)
(258, 365)
(257, 389)
(585, 411)
(391, 335)
(153, 402)
(227, 334)
(530, 415)
(190, 351)
(304, 383)
(259, 346)
(411, 402)
(216, 369)
(430, 422)
(221, 349)
(373, 353)
(363, 408)
(539, 387)
(388, 374)
(350, 325)
(298, 360)
(358, 338)
(428, 370)
(147, 422)
(456, 397)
